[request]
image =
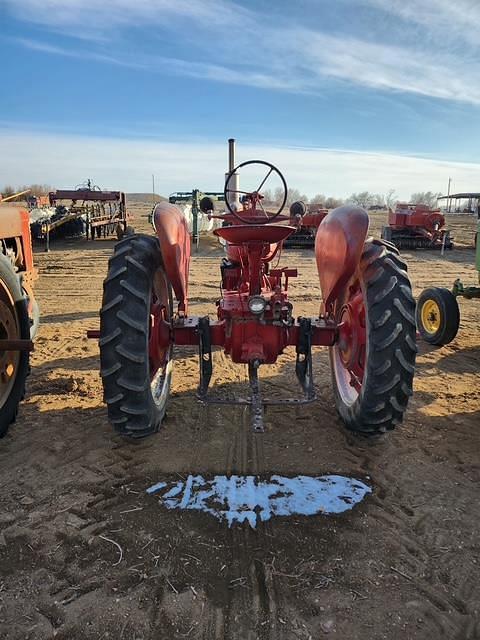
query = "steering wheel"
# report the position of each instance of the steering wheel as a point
(256, 193)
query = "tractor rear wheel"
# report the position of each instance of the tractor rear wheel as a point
(136, 370)
(438, 315)
(14, 325)
(373, 360)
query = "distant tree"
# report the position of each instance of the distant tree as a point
(425, 197)
(293, 195)
(319, 198)
(390, 199)
(278, 195)
(364, 199)
(268, 196)
(378, 200)
(7, 190)
(37, 189)
(34, 190)
(333, 203)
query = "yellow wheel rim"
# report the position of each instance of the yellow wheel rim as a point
(431, 316)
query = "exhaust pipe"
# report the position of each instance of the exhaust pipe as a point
(234, 183)
(231, 154)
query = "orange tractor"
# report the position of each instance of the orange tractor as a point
(417, 226)
(19, 315)
(366, 318)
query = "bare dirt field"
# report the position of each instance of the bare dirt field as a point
(405, 563)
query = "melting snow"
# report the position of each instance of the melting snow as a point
(251, 498)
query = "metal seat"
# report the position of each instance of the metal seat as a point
(245, 233)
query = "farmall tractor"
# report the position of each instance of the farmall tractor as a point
(366, 318)
(417, 226)
(19, 315)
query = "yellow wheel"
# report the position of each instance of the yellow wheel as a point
(430, 316)
(438, 316)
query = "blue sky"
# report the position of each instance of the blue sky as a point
(343, 95)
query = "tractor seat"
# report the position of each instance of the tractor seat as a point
(245, 233)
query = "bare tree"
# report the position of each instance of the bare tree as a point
(364, 199)
(319, 198)
(425, 197)
(390, 198)
(7, 190)
(333, 203)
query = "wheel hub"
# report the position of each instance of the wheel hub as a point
(431, 316)
(352, 339)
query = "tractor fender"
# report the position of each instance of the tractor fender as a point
(174, 238)
(338, 248)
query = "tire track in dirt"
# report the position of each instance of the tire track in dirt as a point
(446, 613)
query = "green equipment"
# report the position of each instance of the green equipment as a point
(437, 313)
(194, 197)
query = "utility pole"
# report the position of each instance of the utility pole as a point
(449, 202)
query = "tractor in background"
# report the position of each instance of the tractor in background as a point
(438, 313)
(197, 220)
(306, 219)
(366, 317)
(19, 314)
(416, 226)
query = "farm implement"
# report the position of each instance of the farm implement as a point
(85, 210)
(306, 220)
(19, 314)
(192, 202)
(438, 313)
(416, 226)
(366, 318)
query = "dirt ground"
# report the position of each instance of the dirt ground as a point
(403, 564)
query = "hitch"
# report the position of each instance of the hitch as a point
(303, 364)
(255, 397)
(205, 355)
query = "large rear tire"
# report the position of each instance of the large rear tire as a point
(373, 361)
(438, 315)
(136, 372)
(14, 325)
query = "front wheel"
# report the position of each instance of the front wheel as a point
(438, 315)
(373, 360)
(137, 309)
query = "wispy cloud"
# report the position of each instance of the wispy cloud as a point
(128, 164)
(252, 49)
(172, 66)
(444, 20)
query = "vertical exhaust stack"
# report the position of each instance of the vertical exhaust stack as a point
(234, 181)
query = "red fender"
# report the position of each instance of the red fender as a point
(338, 249)
(174, 238)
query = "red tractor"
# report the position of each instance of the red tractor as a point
(307, 221)
(19, 315)
(366, 319)
(417, 226)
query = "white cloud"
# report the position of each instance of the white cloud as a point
(451, 20)
(65, 160)
(109, 15)
(251, 49)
